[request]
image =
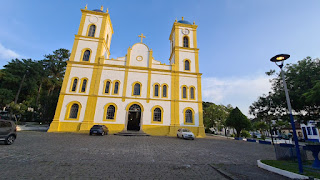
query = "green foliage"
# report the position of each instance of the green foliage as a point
(245, 134)
(260, 125)
(215, 115)
(34, 84)
(263, 137)
(303, 80)
(238, 121)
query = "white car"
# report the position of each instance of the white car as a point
(185, 134)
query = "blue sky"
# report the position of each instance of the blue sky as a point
(236, 37)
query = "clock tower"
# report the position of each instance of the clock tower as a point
(184, 58)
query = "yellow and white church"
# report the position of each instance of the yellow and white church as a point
(134, 92)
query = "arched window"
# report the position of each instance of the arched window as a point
(107, 87)
(185, 41)
(156, 90)
(164, 91)
(157, 115)
(116, 87)
(84, 85)
(92, 30)
(74, 111)
(187, 65)
(86, 55)
(188, 116)
(136, 90)
(74, 85)
(184, 92)
(192, 93)
(110, 112)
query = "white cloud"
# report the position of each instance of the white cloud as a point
(237, 91)
(7, 54)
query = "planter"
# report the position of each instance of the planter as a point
(314, 148)
(251, 140)
(238, 138)
(264, 142)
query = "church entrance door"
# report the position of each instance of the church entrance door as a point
(134, 116)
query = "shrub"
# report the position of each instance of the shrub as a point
(263, 137)
(245, 134)
(233, 135)
(254, 136)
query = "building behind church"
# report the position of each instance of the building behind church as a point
(134, 92)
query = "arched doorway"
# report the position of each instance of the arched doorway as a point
(134, 118)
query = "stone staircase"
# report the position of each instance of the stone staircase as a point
(131, 133)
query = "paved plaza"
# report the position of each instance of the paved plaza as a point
(41, 155)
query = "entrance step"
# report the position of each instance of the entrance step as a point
(131, 133)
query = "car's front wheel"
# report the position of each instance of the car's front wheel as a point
(102, 134)
(9, 140)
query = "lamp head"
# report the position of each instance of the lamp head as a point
(280, 57)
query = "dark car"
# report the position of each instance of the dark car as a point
(8, 131)
(99, 129)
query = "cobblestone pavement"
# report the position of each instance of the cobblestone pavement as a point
(40, 155)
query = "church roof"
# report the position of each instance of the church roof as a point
(184, 22)
(97, 10)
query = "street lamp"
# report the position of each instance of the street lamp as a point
(278, 60)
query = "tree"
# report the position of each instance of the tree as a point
(303, 80)
(54, 66)
(238, 121)
(215, 115)
(18, 82)
(33, 84)
(261, 126)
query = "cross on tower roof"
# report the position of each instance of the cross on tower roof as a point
(142, 36)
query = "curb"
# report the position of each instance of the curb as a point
(223, 173)
(280, 171)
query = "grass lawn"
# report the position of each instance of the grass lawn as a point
(293, 167)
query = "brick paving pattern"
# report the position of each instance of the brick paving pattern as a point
(40, 155)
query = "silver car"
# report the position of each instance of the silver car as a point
(8, 132)
(185, 134)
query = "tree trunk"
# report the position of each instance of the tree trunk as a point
(17, 95)
(238, 132)
(19, 90)
(37, 100)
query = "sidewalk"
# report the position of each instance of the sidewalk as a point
(32, 127)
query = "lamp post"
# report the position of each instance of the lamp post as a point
(278, 60)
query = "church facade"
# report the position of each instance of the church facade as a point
(134, 92)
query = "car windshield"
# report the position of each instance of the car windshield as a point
(96, 127)
(185, 130)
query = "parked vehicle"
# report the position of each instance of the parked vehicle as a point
(4, 115)
(8, 131)
(185, 134)
(285, 137)
(255, 134)
(99, 129)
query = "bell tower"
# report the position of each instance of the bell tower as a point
(183, 46)
(94, 36)
(90, 49)
(184, 59)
